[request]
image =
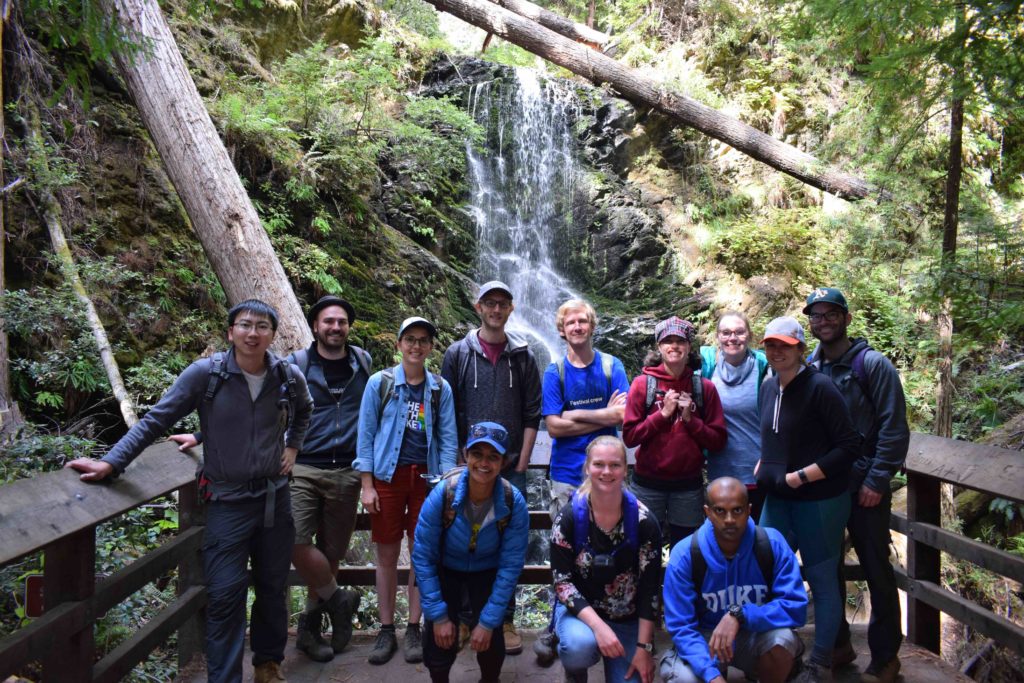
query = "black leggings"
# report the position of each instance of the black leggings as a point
(477, 586)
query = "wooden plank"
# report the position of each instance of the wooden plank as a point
(999, 471)
(975, 552)
(192, 633)
(149, 567)
(36, 512)
(69, 575)
(35, 641)
(1000, 629)
(923, 505)
(125, 656)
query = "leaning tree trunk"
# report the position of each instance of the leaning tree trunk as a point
(196, 161)
(570, 29)
(52, 216)
(601, 69)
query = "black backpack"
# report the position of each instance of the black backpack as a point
(698, 393)
(765, 561)
(218, 374)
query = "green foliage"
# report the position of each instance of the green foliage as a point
(307, 262)
(428, 145)
(147, 381)
(782, 242)
(35, 451)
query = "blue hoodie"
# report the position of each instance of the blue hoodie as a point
(726, 582)
(501, 550)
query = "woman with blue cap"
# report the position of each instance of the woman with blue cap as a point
(470, 547)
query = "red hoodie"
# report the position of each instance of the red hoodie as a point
(669, 450)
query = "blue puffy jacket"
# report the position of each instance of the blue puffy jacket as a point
(504, 550)
(726, 582)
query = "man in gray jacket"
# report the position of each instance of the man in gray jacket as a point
(253, 411)
(871, 387)
(494, 378)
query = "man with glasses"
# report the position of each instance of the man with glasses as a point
(325, 487)
(407, 435)
(253, 411)
(494, 378)
(872, 390)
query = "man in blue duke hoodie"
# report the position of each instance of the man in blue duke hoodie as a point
(738, 617)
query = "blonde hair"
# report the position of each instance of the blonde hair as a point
(735, 314)
(603, 440)
(575, 305)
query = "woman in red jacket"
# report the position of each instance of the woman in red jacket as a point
(671, 424)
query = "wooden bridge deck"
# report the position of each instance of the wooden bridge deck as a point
(919, 665)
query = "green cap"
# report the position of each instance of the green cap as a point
(826, 295)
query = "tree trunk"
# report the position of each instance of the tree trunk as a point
(601, 69)
(555, 22)
(196, 161)
(52, 216)
(591, 14)
(7, 415)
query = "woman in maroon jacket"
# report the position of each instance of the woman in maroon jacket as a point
(670, 430)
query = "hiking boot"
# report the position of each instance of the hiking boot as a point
(464, 635)
(843, 655)
(268, 672)
(813, 673)
(881, 673)
(576, 676)
(340, 608)
(513, 641)
(412, 645)
(546, 649)
(309, 640)
(383, 648)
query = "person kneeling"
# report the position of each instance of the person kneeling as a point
(470, 542)
(733, 595)
(606, 564)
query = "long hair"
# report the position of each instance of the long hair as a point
(603, 440)
(693, 360)
(735, 314)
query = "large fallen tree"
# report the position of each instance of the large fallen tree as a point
(557, 23)
(601, 69)
(196, 161)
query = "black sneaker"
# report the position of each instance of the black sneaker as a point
(309, 640)
(546, 649)
(412, 644)
(340, 608)
(384, 648)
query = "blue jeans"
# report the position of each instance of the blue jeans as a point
(234, 534)
(577, 646)
(815, 528)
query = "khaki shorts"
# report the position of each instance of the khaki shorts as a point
(747, 650)
(324, 505)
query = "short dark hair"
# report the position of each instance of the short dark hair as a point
(256, 307)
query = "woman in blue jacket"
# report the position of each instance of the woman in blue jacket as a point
(470, 543)
(737, 372)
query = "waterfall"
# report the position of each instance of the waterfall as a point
(521, 196)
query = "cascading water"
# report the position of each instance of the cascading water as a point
(521, 195)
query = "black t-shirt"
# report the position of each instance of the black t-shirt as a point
(414, 439)
(337, 373)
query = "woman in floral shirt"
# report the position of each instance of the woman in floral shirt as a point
(608, 584)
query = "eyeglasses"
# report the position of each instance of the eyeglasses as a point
(417, 341)
(830, 316)
(246, 327)
(726, 334)
(491, 304)
(496, 434)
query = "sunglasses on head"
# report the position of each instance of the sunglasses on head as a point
(495, 434)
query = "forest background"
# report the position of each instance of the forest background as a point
(359, 176)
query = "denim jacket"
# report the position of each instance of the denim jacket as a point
(380, 441)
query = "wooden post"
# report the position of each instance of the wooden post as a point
(923, 561)
(69, 575)
(192, 634)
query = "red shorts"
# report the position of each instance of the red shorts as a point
(400, 501)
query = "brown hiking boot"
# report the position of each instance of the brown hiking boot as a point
(513, 641)
(268, 672)
(881, 673)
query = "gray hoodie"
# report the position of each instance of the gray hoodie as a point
(242, 438)
(507, 393)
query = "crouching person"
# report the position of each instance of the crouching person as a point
(606, 566)
(471, 543)
(733, 595)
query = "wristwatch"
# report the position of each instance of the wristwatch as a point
(646, 646)
(803, 476)
(736, 612)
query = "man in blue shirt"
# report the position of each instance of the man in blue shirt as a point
(584, 397)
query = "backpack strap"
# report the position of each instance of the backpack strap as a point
(363, 358)
(652, 392)
(509, 502)
(698, 570)
(218, 374)
(450, 480)
(435, 397)
(859, 374)
(607, 362)
(581, 523)
(765, 559)
(301, 358)
(698, 393)
(385, 391)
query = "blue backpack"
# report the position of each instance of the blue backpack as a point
(581, 523)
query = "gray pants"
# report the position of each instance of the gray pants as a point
(748, 648)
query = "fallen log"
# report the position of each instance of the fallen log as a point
(581, 33)
(599, 69)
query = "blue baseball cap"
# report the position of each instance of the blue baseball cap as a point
(488, 432)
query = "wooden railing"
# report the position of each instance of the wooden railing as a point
(57, 514)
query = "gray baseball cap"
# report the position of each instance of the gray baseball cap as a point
(494, 285)
(416, 321)
(786, 330)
